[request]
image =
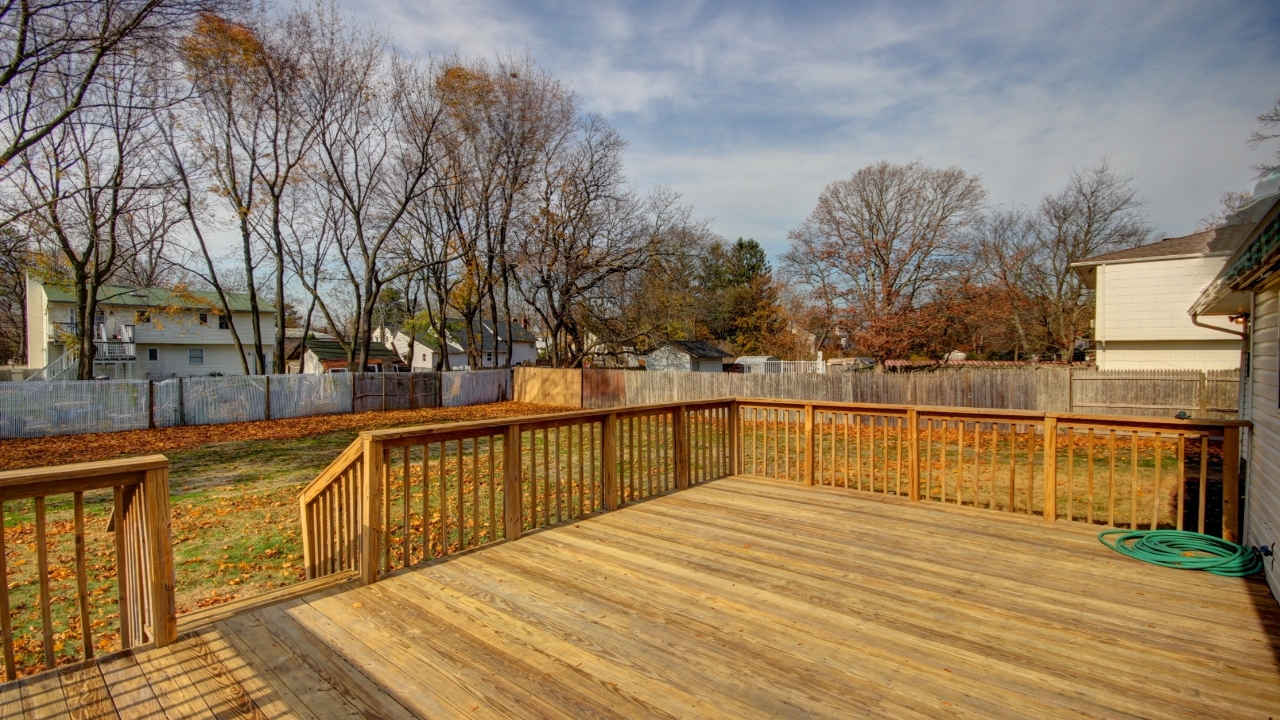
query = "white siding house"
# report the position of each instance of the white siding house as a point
(425, 353)
(1248, 287)
(687, 355)
(145, 332)
(1141, 296)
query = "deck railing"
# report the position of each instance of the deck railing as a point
(445, 489)
(441, 490)
(137, 490)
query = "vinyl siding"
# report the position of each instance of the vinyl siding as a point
(1149, 300)
(1169, 355)
(1262, 519)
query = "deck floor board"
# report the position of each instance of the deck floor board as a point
(736, 598)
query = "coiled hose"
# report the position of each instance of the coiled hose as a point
(1185, 550)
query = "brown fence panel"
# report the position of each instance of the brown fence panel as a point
(549, 386)
(604, 388)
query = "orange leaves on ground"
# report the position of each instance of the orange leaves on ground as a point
(34, 452)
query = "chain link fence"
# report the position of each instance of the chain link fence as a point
(39, 409)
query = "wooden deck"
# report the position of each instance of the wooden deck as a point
(737, 598)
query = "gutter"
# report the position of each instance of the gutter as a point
(1195, 320)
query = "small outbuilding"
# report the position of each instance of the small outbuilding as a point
(687, 355)
(756, 363)
(323, 356)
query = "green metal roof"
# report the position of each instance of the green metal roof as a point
(157, 298)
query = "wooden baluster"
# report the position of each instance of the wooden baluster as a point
(960, 462)
(734, 416)
(6, 622)
(1231, 483)
(1013, 467)
(592, 429)
(846, 419)
(913, 434)
(1071, 471)
(442, 495)
(977, 461)
(1111, 483)
(546, 477)
(533, 479)
(1051, 469)
(1133, 483)
(681, 460)
(475, 492)
(42, 560)
(786, 443)
(1204, 483)
(665, 429)
(820, 422)
(387, 529)
(406, 539)
(897, 441)
(492, 490)
(426, 501)
(559, 479)
(609, 462)
(809, 449)
(1182, 476)
(927, 475)
(1031, 469)
(946, 429)
(1155, 494)
(461, 507)
(1089, 478)
(995, 439)
(858, 448)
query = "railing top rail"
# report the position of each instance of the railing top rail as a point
(335, 468)
(526, 421)
(35, 482)
(1073, 419)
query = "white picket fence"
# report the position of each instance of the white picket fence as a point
(39, 409)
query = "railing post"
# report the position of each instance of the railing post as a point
(308, 534)
(164, 611)
(735, 440)
(1050, 468)
(913, 444)
(808, 445)
(1231, 484)
(680, 429)
(512, 486)
(609, 460)
(371, 512)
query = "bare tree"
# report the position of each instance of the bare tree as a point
(54, 51)
(879, 244)
(92, 186)
(1227, 204)
(1006, 249)
(1270, 122)
(1098, 212)
(376, 153)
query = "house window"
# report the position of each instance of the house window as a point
(141, 316)
(195, 356)
(222, 322)
(153, 354)
(204, 318)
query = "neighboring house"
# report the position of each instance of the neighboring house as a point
(426, 353)
(324, 356)
(142, 332)
(1248, 289)
(1141, 296)
(689, 355)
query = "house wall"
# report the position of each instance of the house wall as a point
(668, 357)
(708, 365)
(1262, 511)
(1149, 300)
(170, 333)
(1169, 354)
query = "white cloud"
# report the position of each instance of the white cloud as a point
(750, 109)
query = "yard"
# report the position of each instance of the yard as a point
(234, 500)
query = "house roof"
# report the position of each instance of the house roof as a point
(698, 349)
(157, 298)
(489, 338)
(1222, 240)
(329, 350)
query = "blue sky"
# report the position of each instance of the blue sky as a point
(749, 109)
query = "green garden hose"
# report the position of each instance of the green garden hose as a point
(1185, 550)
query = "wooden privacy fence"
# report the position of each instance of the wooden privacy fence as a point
(398, 497)
(140, 601)
(1211, 395)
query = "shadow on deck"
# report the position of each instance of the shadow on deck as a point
(736, 598)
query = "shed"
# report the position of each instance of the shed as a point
(687, 355)
(328, 356)
(755, 363)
